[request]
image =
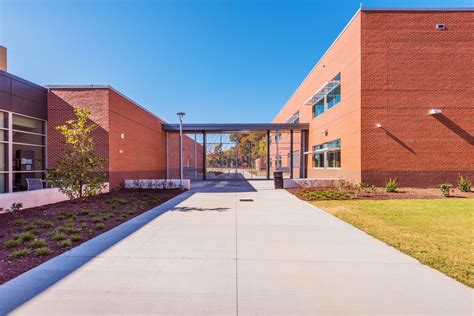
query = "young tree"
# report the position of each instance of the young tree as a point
(79, 172)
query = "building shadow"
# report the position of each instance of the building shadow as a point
(199, 209)
(26, 286)
(399, 141)
(455, 128)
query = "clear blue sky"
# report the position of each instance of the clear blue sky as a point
(218, 61)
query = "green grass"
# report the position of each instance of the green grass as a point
(12, 243)
(43, 251)
(438, 232)
(25, 236)
(64, 243)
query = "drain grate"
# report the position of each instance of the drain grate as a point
(246, 200)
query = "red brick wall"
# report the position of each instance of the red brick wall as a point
(141, 154)
(188, 155)
(409, 67)
(61, 104)
(343, 120)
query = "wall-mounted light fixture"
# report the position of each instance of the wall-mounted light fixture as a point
(435, 111)
(440, 26)
(378, 125)
(120, 151)
(122, 135)
(324, 131)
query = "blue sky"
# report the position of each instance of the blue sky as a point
(218, 61)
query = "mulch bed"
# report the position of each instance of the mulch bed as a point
(56, 228)
(381, 194)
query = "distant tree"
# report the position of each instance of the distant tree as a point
(79, 172)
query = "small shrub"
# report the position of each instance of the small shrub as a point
(43, 224)
(97, 219)
(464, 185)
(73, 230)
(391, 185)
(16, 207)
(76, 238)
(29, 227)
(69, 223)
(131, 213)
(59, 236)
(100, 226)
(60, 217)
(12, 243)
(26, 236)
(64, 243)
(20, 253)
(38, 243)
(445, 188)
(43, 251)
(20, 222)
(84, 212)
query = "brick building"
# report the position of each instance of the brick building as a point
(392, 98)
(129, 137)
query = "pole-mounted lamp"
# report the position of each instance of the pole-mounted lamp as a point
(181, 115)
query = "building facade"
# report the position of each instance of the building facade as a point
(129, 137)
(392, 98)
(23, 123)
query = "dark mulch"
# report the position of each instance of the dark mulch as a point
(85, 219)
(381, 194)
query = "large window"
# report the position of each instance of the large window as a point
(22, 151)
(327, 97)
(327, 155)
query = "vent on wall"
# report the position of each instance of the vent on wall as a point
(440, 26)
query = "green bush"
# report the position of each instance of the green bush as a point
(26, 236)
(29, 227)
(20, 222)
(64, 243)
(12, 243)
(44, 224)
(100, 226)
(464, 185)
(59, 236)
(76, 238)
(84, 212)
(38, 243)
(445, 188)
(20, 253)
(391, 185)
(43, 251)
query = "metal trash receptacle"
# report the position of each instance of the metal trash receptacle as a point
(278, 179)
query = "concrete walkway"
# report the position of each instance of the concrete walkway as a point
(214, 253)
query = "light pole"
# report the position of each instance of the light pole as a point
(180, 115)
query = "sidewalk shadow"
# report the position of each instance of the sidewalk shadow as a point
(26, 286)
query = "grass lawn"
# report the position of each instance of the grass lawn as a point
(437, 232)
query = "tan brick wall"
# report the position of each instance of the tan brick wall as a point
(343, 120)
(409, 67)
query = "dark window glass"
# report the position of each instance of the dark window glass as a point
(334, 159)
(3, 135)
(3, 157)
(318, 160)
(334, 97)
(19, 179)
(3, 182)
(25, 138)
(3, 120)
(28, 124)
(318, 107)
(28, 158)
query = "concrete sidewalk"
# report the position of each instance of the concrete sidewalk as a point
(214, 253)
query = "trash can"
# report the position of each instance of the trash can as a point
(278, 179)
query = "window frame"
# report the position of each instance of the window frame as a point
(324, 97)
(324, 149)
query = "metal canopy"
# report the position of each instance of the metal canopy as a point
(235, 127)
